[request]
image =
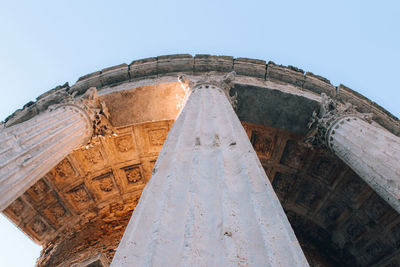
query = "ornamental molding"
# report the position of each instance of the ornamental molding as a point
(95, 111)
(224, 83)
(330, 113)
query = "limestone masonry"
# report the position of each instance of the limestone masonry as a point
(262, 165)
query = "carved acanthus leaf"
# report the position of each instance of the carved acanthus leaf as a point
(95, 109)
(225, 83)
(330, 111)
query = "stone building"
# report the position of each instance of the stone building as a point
(266, 165)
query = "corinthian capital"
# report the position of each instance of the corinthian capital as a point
(211, 79)
(93, 108)
(329, 114)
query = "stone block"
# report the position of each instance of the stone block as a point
(115, 74)
(204, 63)
(51, 99)
(250, 67)
(143, 67)
(319, 84)
(289, 74)
(175, 63)
(364, 105)
(65, 86)
(21, 115)
(87, 81)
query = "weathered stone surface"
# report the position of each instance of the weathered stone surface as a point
(30, 149)
(377, 163)
(365, 105)
(71, 197)
(346, 132)
(114, 75)
(52, 97)
(147, 68)
(87, 81)
(250, 67)
(129, 153)
(104, 180)
(143, 104)
(204, 63)
(209, 202)
(274, 108)
(143, 68)
(52, 91)
(21, 115)
(175, 63)
(79, 246)
(285, 74)
(319, 84)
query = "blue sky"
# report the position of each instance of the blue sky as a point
(47, 43)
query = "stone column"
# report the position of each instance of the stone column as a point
(30, 149)
(370, 150)
(209, 201)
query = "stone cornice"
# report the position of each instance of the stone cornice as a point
(153, 68)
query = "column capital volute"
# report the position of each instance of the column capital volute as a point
(331, 114)
(92, 108)
(211, 79)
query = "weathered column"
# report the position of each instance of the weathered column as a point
(370, 150)
(30, 149)
(209, 201)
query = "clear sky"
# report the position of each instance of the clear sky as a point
(47, 43)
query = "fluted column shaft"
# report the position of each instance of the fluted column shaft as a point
(209, 201)
(372, 152)
(30, 149)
